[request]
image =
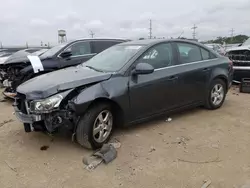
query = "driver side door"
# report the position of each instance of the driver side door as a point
(81, 52)
(154, 93)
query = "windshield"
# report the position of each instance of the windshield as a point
(112, 59)
(53, 51)
(247, 42)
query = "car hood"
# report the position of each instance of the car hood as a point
(21, 57)
(17, 57)
(247, 47)
(49, 84)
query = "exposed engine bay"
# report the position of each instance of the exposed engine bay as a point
(11, 77)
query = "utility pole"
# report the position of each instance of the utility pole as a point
(92, 34)
(232, 32)
(194, 31)
(150, 29)
(1, 44)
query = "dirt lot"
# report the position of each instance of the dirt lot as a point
(195, 146)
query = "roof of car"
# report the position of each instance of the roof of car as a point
(147, 42)
(96, 38)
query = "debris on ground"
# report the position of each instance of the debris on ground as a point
(116, 143)
(3, 100)
(206, 184)
(169, 119)
(152, 149)
(5, 122)
(10, 166)
(43, 148)
(201, 162)
(106, 154)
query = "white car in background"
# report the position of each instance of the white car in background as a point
(217, 48)
(240, 56)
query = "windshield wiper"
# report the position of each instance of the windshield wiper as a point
(93, 68)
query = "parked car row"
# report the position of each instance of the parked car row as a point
(30, 63)
(116, 83)
(217, 48)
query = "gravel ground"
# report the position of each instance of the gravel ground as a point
(197, 145)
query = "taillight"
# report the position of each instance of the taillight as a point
(230, 62)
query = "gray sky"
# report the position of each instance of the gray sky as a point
(35, 21)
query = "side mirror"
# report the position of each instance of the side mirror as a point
(143, 68)
(66, 53)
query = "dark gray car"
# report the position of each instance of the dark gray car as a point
(125, 84)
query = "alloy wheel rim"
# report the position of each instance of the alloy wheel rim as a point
(102, 126)
(217, 94)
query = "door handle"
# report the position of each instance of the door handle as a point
(205, 69)
(171, 78)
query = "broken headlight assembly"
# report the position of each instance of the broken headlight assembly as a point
(46, 105)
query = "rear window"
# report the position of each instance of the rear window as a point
(99, 46)
(189, 52)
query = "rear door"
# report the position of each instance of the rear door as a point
(194, 71)
(81, 52)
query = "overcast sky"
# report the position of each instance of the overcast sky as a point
(35, 21)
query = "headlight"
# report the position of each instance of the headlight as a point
(46, 104)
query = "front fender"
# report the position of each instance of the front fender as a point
(27, 70)
(114, 90)
(82, 101)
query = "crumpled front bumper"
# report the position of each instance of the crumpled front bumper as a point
(27, 118)
(2, 75)
(241, 72)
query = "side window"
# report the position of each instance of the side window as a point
(189, 53)
(158, 56)
(205, 54)
(80, 48)
(99, 46)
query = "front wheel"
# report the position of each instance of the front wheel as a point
(95, 126)
(216, 94)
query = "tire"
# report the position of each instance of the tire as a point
(209, 103)
(85, 128)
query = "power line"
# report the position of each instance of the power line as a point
(92, 34)
(194, 31)
(150, 29)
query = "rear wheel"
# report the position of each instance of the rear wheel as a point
(95, 126)
(216, 94)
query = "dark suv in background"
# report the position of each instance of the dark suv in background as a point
(64, 55)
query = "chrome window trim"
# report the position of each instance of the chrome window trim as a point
(190, 63)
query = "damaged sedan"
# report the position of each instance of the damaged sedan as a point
(125, 84)
(7, 71)
(240, 57)
(19, 70)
